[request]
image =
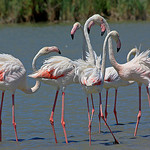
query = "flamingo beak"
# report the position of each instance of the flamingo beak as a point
(59, 52)
(118, 45)
(102, 33)
(72, 36)
(88, 29)
(103, 29)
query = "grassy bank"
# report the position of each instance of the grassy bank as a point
(18, 11)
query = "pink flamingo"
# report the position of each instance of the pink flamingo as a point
(75, 27)
(138, 70)
(12, 77)
(113, 80)
(91, 73)
(59, 72)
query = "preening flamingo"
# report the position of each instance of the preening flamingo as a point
(113, 80)
(59, 72)
(91, 73)
(138, 70)
(12, 77)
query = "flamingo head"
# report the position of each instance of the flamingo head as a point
(97, 19)
(76, 26)
(47, 50)
(115, 36)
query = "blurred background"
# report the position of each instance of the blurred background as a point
(18, 11)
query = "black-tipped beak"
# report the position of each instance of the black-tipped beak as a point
(102, 33)
(118, 50)
(72, 36)
(88, 30)
(59, 52)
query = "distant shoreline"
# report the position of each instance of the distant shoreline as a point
(67, 11)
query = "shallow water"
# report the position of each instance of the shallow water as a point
(33, 111)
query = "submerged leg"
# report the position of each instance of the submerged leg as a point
(89, 122)
(62, 116)
(1, 116)
(139, 114)
(93, 110)
(13, 116)
(52, 114)
(106, 105)
(102, 116)
(148, 95)
(115, 112)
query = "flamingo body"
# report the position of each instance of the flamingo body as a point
(12, 72)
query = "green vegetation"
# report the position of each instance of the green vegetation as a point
(17, 11)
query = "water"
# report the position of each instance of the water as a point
(33, 111)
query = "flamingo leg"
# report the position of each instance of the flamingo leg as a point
(106, 105)
(13, 116)
(93, 109)
(89, 122)
(148, 95)
(52, 114)
(102, 116)
(62, 116)
(115, 112)
(1, 116)
(99, 116)
(139, 114)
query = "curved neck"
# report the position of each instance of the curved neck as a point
(34, 61)
(83, 45)
(111, 53)
(33, 89)
(133, 52)
(91, 53)
(104, 47)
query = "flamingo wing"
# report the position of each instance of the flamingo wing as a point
(54, 68)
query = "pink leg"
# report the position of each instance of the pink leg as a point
(1, 116)
(93, 110)
(13, 116)
(52, 114)
(62, 116)
(106, 105)
(99, 116)
(148, 95)
(139, 114)
(89, 122)
(115, 112)
(102, 116)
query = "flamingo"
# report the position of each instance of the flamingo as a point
(91, 73)
(138, 70)
(12, 77)
(113, 80)
(75, 27)
(59, 72)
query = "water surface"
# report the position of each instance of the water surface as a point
(33, 111)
